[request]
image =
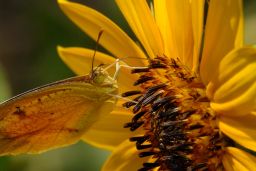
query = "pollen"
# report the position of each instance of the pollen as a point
(181, 130)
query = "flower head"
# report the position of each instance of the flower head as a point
(192, 102)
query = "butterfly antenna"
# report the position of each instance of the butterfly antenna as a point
(96, 48)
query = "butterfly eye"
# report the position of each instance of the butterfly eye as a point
(98, 76)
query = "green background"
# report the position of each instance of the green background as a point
(30, 30)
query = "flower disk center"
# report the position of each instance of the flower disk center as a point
(181, 131)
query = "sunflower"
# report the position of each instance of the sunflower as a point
(192, 101)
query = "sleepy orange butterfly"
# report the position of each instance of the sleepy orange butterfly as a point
(56, 114)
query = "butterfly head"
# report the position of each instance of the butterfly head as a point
(99, 76)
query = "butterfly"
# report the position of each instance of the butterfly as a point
(55, 115)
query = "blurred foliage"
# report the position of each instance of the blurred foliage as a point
(250, 21)
(79, 157)
(4, 86)
(4, 94)
(29, 33)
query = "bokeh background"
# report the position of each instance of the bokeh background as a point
(30, 30)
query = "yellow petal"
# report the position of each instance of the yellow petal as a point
(227, 163)
(124, 158)
(163, 22)
(182, 31)
(140, 19)
(80, 60)
(109, 131)
(92, 22)
(238, 160)
(240, 129)
(233, 88)
(179, 13)
(197, 25)
(223, 32)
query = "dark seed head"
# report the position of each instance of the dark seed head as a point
(180, 128)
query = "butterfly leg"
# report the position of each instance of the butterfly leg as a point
(119, 66)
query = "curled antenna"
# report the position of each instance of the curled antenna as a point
(96, 48)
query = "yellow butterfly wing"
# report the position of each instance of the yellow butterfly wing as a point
(53, 116)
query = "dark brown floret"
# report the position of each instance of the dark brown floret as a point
(143, 79)
(139, 70)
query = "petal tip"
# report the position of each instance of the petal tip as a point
(62, 1)
(61, 51)
(60, 48)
